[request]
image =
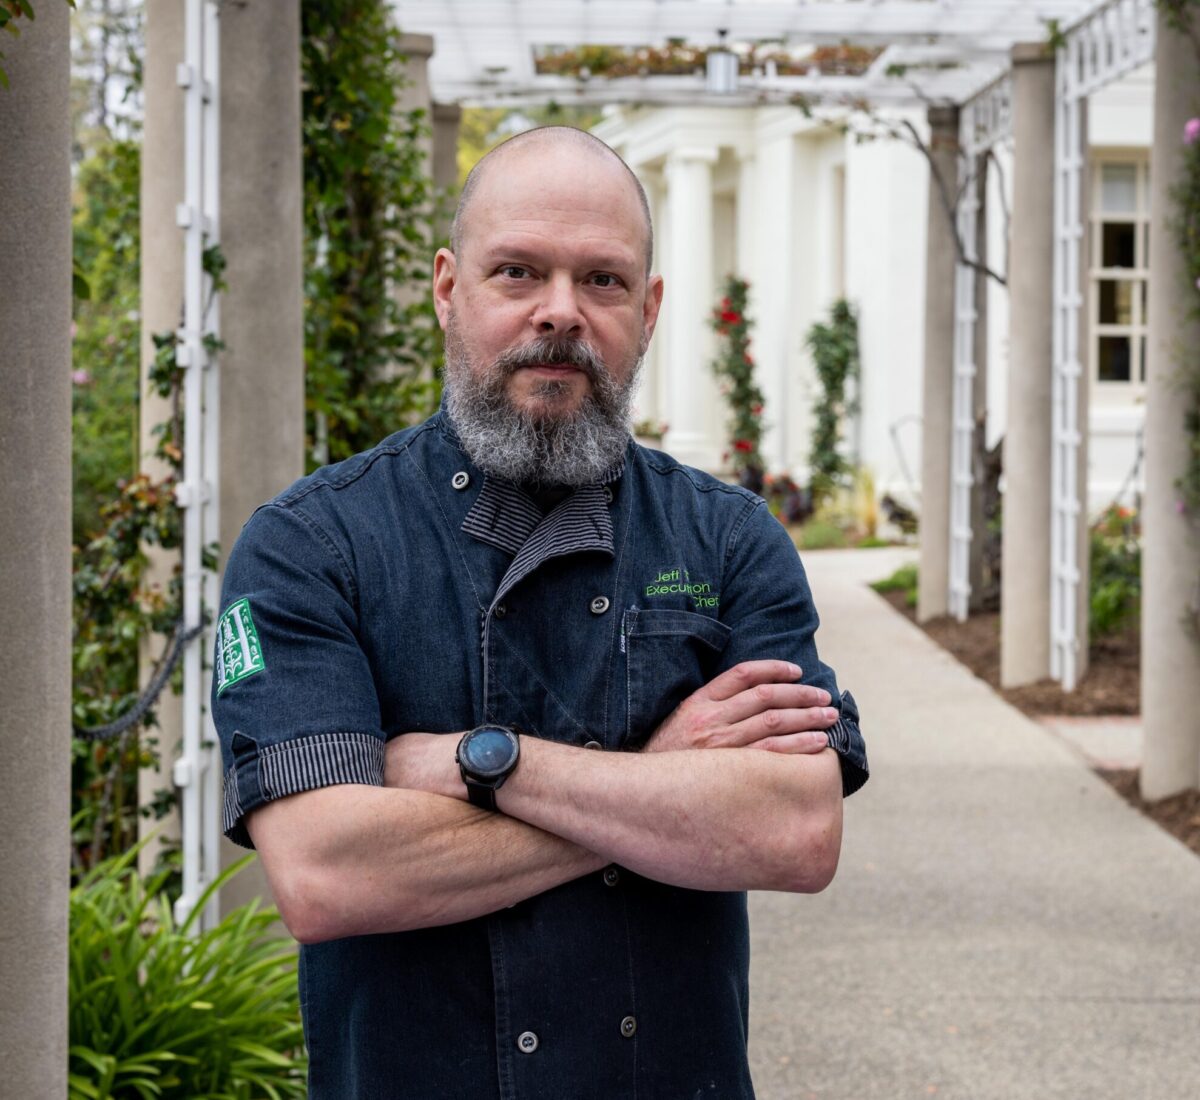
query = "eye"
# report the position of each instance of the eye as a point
(604, 280)
(513, 271)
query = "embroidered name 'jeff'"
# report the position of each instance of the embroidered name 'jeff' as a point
(675, 582)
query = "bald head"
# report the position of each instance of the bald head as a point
(549, 139)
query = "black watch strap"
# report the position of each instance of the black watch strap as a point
(480, 794)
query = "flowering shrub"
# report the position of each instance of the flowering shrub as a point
(1115, 593)
(834, 347)
(734, 366)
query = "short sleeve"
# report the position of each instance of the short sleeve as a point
(766, 601)
(293, 697)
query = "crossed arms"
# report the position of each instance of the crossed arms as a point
(736, 790)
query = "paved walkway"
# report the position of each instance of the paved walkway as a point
(1002, 924)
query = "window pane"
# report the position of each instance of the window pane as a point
(1117, 245)
(1114, 359)
(1118, 188)
(1116, 302)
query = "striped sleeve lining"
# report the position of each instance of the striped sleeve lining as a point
(303, 764)
(846, 739)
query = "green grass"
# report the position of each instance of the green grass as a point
(903, 580)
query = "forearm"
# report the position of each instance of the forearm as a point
(347, 861)
(712, 819)
(725, 819)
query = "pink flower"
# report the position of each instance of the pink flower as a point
(80, 378)
(1191, 131)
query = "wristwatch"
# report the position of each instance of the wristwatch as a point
(487, 756)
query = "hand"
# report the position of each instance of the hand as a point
(756, 704)
(423, 762)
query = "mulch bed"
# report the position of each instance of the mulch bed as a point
(1111, 686)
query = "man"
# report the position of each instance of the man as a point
(549, 902)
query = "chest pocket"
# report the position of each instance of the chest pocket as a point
(669, 654)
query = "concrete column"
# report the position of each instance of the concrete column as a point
(937, 402)
(162, 306)
(446, 119)
(1171, 547)
(1025, 589)
(688, 298)
(35, 557)
(262, 314)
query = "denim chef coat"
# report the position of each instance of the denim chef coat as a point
(403, 590)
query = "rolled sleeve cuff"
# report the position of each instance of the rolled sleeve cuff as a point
(273, 771)
(846, 739)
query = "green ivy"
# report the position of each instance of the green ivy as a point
(372, 345)
(834, 347)
(734, 366)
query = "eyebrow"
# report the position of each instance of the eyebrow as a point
(518, 253)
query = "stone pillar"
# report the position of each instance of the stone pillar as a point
(688, 299)
(937, 402)
(1025, 590)
(979, 394)
(35, 557)
(262, 313)
(1171, 547)
(446, 119)
(162, 312)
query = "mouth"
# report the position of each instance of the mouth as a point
(553, 370)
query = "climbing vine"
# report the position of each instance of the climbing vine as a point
(372, 345)
(734, 366)
(834, 348)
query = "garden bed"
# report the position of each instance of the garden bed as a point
(1111, 686)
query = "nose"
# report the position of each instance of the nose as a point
(557, 311)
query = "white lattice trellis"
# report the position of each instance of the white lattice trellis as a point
(196, 772)
(1111, 42)
(984, 121)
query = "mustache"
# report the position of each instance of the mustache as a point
(553, 351)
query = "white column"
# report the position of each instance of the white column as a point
(938, 385)
(747, 215)
(35, 556)
(1025, 578)
(1171, 548)
(689, 297)
(778, 333)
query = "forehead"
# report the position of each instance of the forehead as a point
(563, 194)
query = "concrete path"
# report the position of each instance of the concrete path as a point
(1002, 925)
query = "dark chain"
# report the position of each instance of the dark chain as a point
(135, 714)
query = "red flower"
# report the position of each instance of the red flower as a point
(747, 360)
(743, 445)
(756, 409)
(731, 317)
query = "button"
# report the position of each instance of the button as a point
(628, 1027)
(593, 745)
(527, 1041)
(461, 479)
(608, 494)
(500, 610)
(611, 877)
(599, 605)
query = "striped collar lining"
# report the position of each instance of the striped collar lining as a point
(506, 517)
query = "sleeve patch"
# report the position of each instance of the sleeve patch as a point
(239, 652)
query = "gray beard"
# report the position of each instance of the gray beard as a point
(573, 449)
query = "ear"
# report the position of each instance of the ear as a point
(651, 306)
(445, 275)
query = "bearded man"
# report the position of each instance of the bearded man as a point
(514, 710)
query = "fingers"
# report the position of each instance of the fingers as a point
(746, 704)
(782, 722)
(747, 675)
(795, 744)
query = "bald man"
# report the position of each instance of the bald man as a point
(514, 710)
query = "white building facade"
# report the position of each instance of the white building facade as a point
(808, 211)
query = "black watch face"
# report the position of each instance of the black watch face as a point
(488, 753)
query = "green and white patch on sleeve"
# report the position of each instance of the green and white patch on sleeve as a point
(239, 652)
